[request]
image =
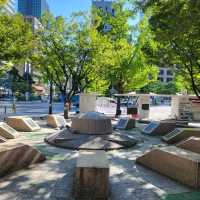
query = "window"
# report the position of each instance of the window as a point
(160, 79)
(169, 72)
(161, 72)
(113, 12)
(169, 79)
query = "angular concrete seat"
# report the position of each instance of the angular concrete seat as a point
(176, 163)
(7, 132)
(180, 134)
(23, 124)
(191, 144)
(126, 124)
(15, 156)
(56, 121)
(91, 176)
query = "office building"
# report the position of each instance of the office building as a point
(10, 7)
(165, 75)
(34, 8)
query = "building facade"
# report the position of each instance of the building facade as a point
(34, 8)
(10, 7)
(165, 75)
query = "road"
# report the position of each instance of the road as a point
(41, 108)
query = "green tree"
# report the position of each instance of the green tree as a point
(158, 87)
(66, 54)
(16, 40)
(176, 26)
(126, 69)
(2, 2)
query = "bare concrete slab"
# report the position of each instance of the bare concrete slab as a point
(2, 139)
(70, 140)
(191, 144)
(15, 156)
(23, 124)
(178, 164)
(91, 176)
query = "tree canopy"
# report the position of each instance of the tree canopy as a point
(16, 40)
(176, 27)
(126, 69)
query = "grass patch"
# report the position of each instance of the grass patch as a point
(183, 196)
(50, 155)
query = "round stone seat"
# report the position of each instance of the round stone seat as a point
(92, 123)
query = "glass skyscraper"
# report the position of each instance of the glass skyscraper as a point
(35, 8)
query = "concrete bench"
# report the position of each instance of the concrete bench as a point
(91, 180)
(15, 156)
(178, 164)
(191, 144)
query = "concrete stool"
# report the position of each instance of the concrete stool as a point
(91, 176)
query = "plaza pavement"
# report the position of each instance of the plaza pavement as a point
(52, 180)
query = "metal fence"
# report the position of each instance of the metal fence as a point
(6, 109)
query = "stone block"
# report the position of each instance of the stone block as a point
(23, 124)
(7, 132)
(56, 121)
(191, 144)
(93, 123)
(91, 176)
(176, 163)
(15, 156)
(2, 139)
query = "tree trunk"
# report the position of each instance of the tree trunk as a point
(66, 106)
(50, 98)
(120, 91)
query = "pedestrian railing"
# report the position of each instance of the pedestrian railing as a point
(6, 110)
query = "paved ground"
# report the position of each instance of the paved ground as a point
(52, 180)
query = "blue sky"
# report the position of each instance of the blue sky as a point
(66, 7)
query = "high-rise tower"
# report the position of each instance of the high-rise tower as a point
(34, 8)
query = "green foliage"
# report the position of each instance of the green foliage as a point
(18, 84)
(160, 88)
(16, 40)
(66, 54)
(124, 67)
(2, 2)
(176, 26)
